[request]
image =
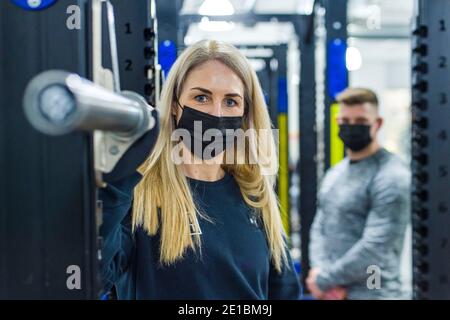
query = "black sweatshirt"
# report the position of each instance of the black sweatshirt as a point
(234, 262)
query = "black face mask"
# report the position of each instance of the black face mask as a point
(199, 142)
(356, 137)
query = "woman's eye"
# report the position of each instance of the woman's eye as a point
(201, 98)
(230, 102)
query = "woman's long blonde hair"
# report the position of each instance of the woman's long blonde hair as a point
(163, 199)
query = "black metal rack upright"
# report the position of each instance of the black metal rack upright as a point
(48, 225)
(47, 196)
(137, 49)
(431, 150)
(307, 166)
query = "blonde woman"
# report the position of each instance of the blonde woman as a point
(200, 227)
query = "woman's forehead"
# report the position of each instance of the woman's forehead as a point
(214, 76)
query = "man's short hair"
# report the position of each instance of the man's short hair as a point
(354, 96)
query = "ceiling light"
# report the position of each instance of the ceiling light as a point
(353, 59)
(305, 7)
(216, 8)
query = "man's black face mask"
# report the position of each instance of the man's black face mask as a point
(199, 142)
(356, 137)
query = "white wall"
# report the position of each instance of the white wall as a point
(386, 70)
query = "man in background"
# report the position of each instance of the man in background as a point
(363, 209)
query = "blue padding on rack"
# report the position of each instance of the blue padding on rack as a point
(337, 76)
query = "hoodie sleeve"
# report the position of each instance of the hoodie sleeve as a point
(284, 285)
(317, 254)
(118, 241)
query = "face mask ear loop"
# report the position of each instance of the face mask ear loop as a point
(174, 116)
(179, 105)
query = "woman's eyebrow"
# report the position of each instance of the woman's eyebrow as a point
(210, 93)
(233, 95)
(202, 90)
